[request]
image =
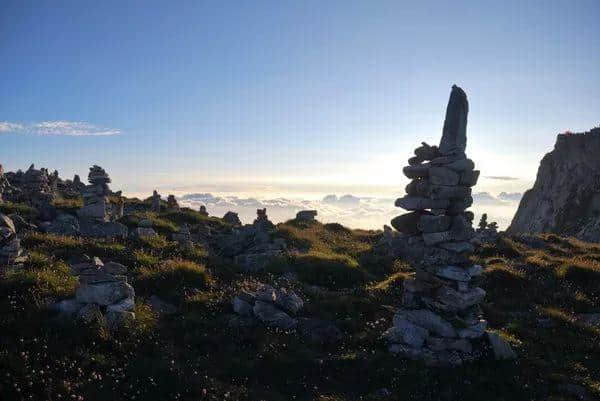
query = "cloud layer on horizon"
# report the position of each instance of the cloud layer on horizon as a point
(57, 128)
(349, 210)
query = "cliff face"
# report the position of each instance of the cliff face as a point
(565, 198)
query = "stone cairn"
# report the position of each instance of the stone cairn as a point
(262, 222)
(232, 218)
(103, 295)
(440, 321)
(203, 211)
(155, 202)
(10, 245)
(274, 308)
(172, 203)
(96, 206)
(183, 237)
(306, 215)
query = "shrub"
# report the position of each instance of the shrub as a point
(172, 278)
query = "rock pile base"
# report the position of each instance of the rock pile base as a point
(103, 295)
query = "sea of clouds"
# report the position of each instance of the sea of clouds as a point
(351, 211)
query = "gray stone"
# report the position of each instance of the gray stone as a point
(454, 136)
(115, 268)
(500, 347)
(126, 305)
(461, 165)
(405, 332)
(407, 223)
(443, 176)
(454, 273)
(469, 178)
(441, 344)
(272, 316)
(428, 320)
(241, 306)
(459, 247)
(7, 222)
(447, 192)
(289, 301)
(457, 300)
(68, 307)
(430, 223)
(104, 293)
(474, 331)
(306, 215)
(417, 203)
(416, 171)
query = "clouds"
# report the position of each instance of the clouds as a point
(57, 128)
(349, 210)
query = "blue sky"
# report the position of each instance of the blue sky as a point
(289, 97)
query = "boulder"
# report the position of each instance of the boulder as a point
(104, 293)
(405, 332)
(428, 320)
(272, 316)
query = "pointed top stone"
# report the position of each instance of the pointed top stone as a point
(454, 136)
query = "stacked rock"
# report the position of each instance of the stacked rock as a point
(232, 218)
(103, 294)
(35, 186)
(155, 202)
(262, 222)
(95, 196)
(306, 215)
(144, 230)
(274, 308)
(203, 211)
(10, 245)
(183, 236)
(172, 203)
(441, 319)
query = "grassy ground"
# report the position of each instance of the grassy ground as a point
(534, 296)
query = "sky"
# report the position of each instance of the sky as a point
(295, 99)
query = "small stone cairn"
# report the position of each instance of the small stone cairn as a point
(155, 202)
(232, 218)
(183, 237)
(143, 230)
(96, 207)
(203, 211)
(306, 215)
(262, 222)
(172, 203)
(274, 308)
(486, 232)
(440, 321)
(103, 295)
(10, 245)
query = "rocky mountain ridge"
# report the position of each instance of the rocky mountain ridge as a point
(565, 198)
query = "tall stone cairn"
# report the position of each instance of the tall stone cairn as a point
(440, 321)
(95, 196)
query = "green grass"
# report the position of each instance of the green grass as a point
(172, 279)
(18, 208)
(195, 354)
